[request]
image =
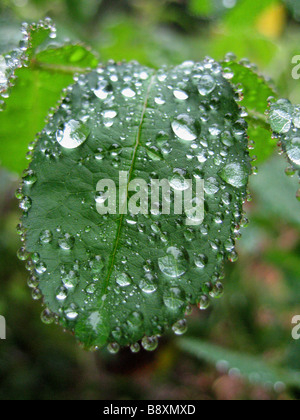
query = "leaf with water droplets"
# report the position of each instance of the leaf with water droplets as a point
(285, 122)
(120, 277)
(32, 79)
(256, 91)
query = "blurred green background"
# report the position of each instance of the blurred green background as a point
(250, 327)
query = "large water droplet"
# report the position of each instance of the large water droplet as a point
(173, 298)
(235, 174)
(67, 242)
(150, 343)
(184, 127)
(70, 280)
(148, 284)
(123, 280)
(280, 119)
(175, 263)
(206, 85)
(128, 93)
(293, 150)
(73, 135)
(46, 236)
(180, 94)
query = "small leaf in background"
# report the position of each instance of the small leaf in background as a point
(34, 76)
(117, 279)
(253, 368)
(275, 199)
(285, 123)
(256, 91)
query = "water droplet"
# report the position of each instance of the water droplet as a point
(201, 261)
(74, 134)
(71, 313)
(29, 177)
(179, 183)
(67, 242)
(217, 290)
(180, 94)
(123, 280)
(70, 280)
(175, 263)
(36, 294)
(113, 348)
(184, 128)
(103, 90)
(25, 204)
(150, 343)
(148, 284)
(293, 150)
(62, 294)
(41, 268)
(22, 254)
(159, 100)
(235, 174)
(173, 298)
(135, 320)
(135, 348)
(47, 317)
(46, 236)
(206, 85)
(281, 120)
(110, 114)
(204, 302)
(128, 93)
(180, 327)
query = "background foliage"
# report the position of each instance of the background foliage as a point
(250, 327)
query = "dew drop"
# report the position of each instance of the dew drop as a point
(173, 298)
(113, 348)
(293, 151)
(174, 264)
(180, 327)
(150, 343)
(47, 317)
(206, 85)
(71, 313)
(123, 280)
(180, 94)
(70, 280)
(74, 134)
(235, 174)
(184, 128)
(46, 236)
(67, 242)
(148, 284)
(135, 348)
(128, 93)
(25, 204)
(29, 177)
(204, 302)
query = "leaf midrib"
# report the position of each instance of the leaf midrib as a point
(137, 144)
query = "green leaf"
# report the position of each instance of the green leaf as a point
(117, 278)
(256, 91)
(285, 123)
(252, 368)
(246, 13)
(201, 7)
(275, 199)
(35, 76)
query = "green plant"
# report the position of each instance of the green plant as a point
(115, 279)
